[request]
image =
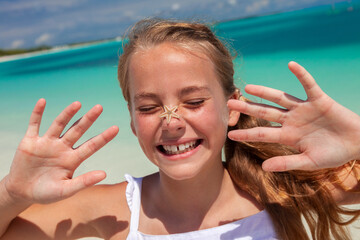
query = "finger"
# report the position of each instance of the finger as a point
(83, 181)
(313, 91)
(273, 95)
(90, 147)
(287, 163)
(258, 110)
(60, 122)
(35, 118)
(258, 134)
(82, 125)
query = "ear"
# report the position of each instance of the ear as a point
(133, 127)
(131, 122)
(234, 115)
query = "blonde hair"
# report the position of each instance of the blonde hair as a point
(189, 36)
(287, 196)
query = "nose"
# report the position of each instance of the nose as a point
(175, 125)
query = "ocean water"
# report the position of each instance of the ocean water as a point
(325, 41)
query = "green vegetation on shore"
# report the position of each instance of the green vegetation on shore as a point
(8, 52)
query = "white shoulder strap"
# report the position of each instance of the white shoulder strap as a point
(133, 197)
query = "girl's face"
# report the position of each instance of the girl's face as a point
(168, 75)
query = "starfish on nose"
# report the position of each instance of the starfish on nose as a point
(168, 113)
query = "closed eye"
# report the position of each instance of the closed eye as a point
(195, 103)
(147, 109)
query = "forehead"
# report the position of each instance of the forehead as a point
(167, 53)
(165, 66)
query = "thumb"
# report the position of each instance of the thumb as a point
(83, 181)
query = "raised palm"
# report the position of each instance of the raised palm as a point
(43, 166)
(325, 133)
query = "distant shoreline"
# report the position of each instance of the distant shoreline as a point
(355, 6)
(55, 49)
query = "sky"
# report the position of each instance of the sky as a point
(31, 23)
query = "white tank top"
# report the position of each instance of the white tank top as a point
(255, 227)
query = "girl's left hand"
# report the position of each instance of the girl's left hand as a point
(325, 133)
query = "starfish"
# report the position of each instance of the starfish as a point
(169, 112)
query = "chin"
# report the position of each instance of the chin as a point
(180, 173)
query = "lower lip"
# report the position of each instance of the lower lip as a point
(181, 156)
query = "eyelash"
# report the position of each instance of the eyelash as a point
(146, 109)
(195, 103)
(192, 104)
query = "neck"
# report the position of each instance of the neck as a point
(195, 194)
(195, 198)
(207, 200)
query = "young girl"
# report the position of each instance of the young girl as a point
(178, 81)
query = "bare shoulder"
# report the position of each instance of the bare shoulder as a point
(99, 211)
(111, 215)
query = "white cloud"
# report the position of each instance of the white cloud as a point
(24, 5)
(232, 2)
(85, 17)
(17, 43)
(257, 6)
(175, 7)
(44, 38)
(129, 13)
(62, 25)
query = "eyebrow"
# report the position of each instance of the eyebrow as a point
(183, 92)
(145, 95)
(191, 89)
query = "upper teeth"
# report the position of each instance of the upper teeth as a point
(175, 149)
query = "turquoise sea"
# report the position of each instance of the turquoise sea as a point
(324, 40)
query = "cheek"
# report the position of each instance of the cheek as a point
(146, 132)
(145, 126)
(218, 113)
(210, 119)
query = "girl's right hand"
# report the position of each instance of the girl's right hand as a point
(43, 167)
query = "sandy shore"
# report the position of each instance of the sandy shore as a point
(32, 54)
(53, 50)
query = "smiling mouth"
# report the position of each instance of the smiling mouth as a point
(178, 149)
